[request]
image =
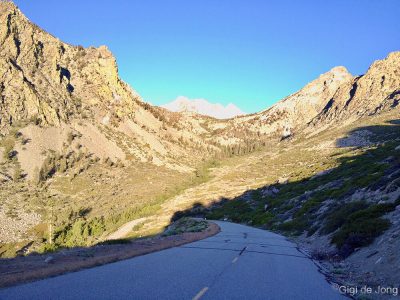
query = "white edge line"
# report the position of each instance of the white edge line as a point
(200, 294)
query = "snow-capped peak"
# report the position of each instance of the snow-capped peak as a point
(203, 107)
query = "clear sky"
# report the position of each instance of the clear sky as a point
(249, 52)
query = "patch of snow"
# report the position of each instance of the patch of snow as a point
(203, 107)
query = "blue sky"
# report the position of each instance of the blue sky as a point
(249, 52)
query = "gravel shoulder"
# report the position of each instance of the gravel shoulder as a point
(34, 267)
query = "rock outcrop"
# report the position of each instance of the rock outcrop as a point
(335, 98)
(50, 81)
(295, 111)
(376, 91)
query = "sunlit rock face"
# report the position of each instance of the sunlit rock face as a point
(51, 81)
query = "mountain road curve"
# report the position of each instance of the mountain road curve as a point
(240, 262)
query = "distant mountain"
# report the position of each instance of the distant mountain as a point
(203, 107)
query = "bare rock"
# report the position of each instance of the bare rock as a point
(39, 70)
(270, 191)
(322, 173)
(49, 260)
(283, 180)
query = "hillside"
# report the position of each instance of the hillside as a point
(81, 155)
(69, 124)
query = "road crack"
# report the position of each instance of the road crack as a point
(244, 249)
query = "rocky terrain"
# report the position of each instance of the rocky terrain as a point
(82, 156)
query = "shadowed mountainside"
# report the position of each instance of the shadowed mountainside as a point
(338, 213)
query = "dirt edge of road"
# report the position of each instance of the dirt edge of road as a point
(35, 267)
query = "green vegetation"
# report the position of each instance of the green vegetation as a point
(8, 144)
(17, 172)
(237, 211)
(311, 204)
(78, 228)
(362, 226)
(151, 207)
(186, 225)
(80, 233)
(56, 162)
(338, 217)
(296, 226)
(9, 250)
(305, 204)
(360, 232)
(261, 218)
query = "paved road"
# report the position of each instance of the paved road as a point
(238, 263)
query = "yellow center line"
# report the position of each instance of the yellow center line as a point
(200, 294)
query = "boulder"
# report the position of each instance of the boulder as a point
(49, 260)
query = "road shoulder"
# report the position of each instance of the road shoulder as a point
(35, 267)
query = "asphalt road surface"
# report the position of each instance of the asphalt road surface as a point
(238, 263)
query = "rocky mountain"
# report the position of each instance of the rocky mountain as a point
(76, 90)
(80, 152)
(376, 91)
(301, 107)
(203, 107)
(335, 98)
(53, 82)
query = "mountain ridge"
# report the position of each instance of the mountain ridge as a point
(72, 70)
(55, 84)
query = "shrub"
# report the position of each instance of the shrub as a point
(362, 227)
(262, 218)
(186, 225)
(359, 233)
(17, 172)
(8, 148)
(48, 168)
(70, 137)
(297, 226)
(308, 206)
(237, 211)
(45, 248)
(80, 232)
(337, 218)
